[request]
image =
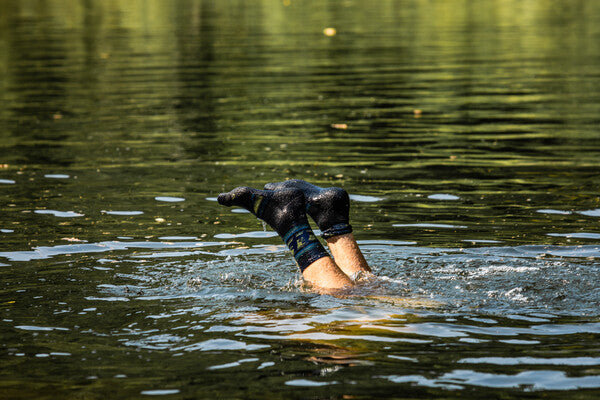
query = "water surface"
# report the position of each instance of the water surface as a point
(466, 133)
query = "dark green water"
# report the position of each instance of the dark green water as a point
(120, 122)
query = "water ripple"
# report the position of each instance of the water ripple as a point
(60, 214)
(45, 252)
(536, 380)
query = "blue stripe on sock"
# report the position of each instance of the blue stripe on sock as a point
(304, 250)
(294, 230)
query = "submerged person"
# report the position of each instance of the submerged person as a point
(285, 205)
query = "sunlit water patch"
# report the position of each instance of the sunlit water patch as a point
(253, 234)
(44, 252)
(123, 213)
(60, 214)
(577, 235)
(56, 176)
(169, 199)
(364, 198)
(591, 213)
(443, 196)
(428, 225)
(552, 211)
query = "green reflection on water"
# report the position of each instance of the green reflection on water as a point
(134, 100)
(213, 95)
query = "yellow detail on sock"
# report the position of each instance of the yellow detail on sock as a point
(256, 205)
(301, 242)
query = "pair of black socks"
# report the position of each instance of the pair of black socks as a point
(285, 205)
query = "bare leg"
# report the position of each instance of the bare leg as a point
(284, 211)
(330, 207)
(325, 274)
(347, 254)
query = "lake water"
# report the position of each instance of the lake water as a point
(467, 133)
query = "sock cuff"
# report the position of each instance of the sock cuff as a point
(335, 230)
(303, 244)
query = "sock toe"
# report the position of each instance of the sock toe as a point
(224, 199)
(237, 197)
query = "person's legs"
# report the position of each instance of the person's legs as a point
(347, 255)
(330, 208)
(325, 273)
(284, 211)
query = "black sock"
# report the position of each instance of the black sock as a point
(284, 211)
(329, 207)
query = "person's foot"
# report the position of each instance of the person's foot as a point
(329, 207)
(284, 211)
(281, 210)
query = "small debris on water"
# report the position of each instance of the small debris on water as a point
(339, 126)
(329, 32)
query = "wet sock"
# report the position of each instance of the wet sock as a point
(329, 207)
(284, 211)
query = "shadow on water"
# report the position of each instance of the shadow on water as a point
(466, 133)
